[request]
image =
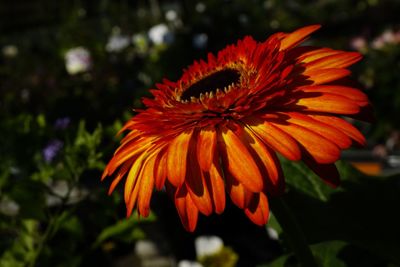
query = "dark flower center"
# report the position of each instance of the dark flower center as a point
(218, 80)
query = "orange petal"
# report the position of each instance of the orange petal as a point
(161, 173)
(206, 143)
(340, 60)
(215, 183)
(177, 157)
(258, 209)
(131, 179)
(275, 138)
(353, 94)
(298, 36)
(318, 76)
(315, 54)
(322, 150)
(121, 173)
(238, 193)
(327, 103)
(146, 184)
(343, 126)
(325, 130)
(187, 210)
(268, 163)
(239, 162)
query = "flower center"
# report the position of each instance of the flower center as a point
(218, 80)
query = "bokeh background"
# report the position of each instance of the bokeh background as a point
(72, 71)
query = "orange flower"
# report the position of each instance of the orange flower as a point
(218, 127)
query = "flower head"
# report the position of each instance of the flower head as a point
(218, 128)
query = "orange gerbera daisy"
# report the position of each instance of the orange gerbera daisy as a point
(218, 127)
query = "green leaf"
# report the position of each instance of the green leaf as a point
(362, 212)
(123, 227)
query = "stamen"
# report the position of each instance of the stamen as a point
(218, 80)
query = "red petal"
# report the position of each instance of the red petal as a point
(258, 209)
(131, 179)
(239, 162)
(322, 150)
(275, 138)
(121, 173)
(206, 143)
(177, 157)
(298, 36)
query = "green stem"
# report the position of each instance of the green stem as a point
(292, 231)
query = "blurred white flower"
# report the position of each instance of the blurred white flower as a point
(77, 60)
(200, 7)
(359, 43)
(9, 207)
(146, 249)
(171, 15)
(207, 245)
(388, 37)
(117, 43)
(160, 34)
(272, 233)
(200, 40)
(9, 51)
(60, 189)
(186, 263)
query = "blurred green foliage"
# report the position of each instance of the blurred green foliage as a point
(57, 126)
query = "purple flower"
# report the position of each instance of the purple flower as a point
(62, 123)
(52, 149)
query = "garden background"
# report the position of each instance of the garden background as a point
(72, 71)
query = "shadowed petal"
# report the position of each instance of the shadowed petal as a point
(187, 210)
(258, 209)
(239, 162)
(275, 138)
(216, 186)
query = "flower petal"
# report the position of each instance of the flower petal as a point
(215, 183)
(326, 103)
(131, 179)
(322, 150)
(321, 76)
(258, 209)
(353, 94)
(161, 170)
(239, 162)
(267, 162)
(298, 36)
(325, 130)
(186, 208)
(177, 158)
(240, 196)
(343, 126)
(196, 184)
(340, 60)
(146, 184)
(275, 138)
(206, 143)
